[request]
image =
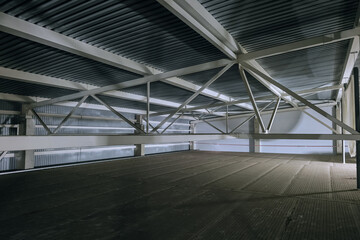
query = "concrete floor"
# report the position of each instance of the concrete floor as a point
(185, 195)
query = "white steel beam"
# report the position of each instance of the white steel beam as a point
(351, 56)
(251, 114)
(30, 31)
(70, 114)
(272, 118)
(252, 99)
(192, 97)
(200, 20)
(177, 82)
(27, 77)
(33, 32)
(308, 43)
(299, 98)
(117, 113)
(264, 98)
(19, 143)
(137, 82)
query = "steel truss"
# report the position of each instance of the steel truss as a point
(199, 19)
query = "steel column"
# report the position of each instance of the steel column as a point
(227, 119)
(357, 123)
(147, 106)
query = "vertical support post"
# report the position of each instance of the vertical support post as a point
(227, 119)
(256, 130)
(192, 131)
(25, 159)
(343, 151)
(139, 148)
(357, 124)
(147, 107)
(338, 112)
(254, 144)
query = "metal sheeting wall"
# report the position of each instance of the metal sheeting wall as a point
(109, 124)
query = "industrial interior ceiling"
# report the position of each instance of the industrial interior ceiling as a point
(164, 35)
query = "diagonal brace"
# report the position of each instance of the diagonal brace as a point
(172, 123)
(70, 114)
(273, 115)
(41, 121)
(252, 99)
(211, 125)
(118, 114)
(249, 118)
(252, 70)
(213, 79)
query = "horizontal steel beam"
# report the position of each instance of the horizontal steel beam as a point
(19, 143)
(21, 76)
(267, 98)
(308, 43)
(136, 82)
(33, 32)
(248, 114)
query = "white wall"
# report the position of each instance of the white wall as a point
(285, 122)
(298, 122)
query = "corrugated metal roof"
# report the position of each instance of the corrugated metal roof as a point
(230, 83)
(28, 89)
(267, 23)
(140, 30)
(168, 92)
(308, 68)
(148, 33)
(28, 56)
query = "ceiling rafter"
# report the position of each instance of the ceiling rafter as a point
(30, 31)
(12, 74)
(198, 18)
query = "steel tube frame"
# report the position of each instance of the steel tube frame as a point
(192, 97)
(299, 98)
(41, 121)
(3, 154)
(117, 113)
(249, 118)
(152, 126)
(252, 99)
(247, 100)
(171, 123)
(136, 82)
(273, 115)
(70, 114)
(208, 123)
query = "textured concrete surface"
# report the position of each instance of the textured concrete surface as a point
(185, 195)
